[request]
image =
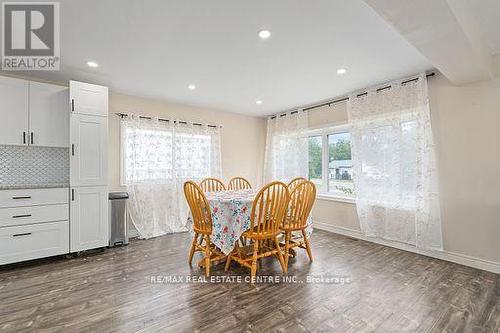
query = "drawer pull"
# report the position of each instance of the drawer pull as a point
(18, 216)
(22, 197)
(23, 234)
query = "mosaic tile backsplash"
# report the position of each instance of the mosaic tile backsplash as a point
(33, 166)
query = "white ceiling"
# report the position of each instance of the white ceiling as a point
(487, 15)
(156, 48)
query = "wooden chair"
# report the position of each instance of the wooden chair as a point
(295, 182)
(268, 213)
(299, 207)
(212, 185)
(202, 226)
(239, 183)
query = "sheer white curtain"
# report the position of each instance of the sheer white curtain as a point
(287, 150)
(157, 158)
(394, 165)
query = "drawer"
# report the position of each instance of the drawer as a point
(43, 196)
(33, 241)
(33, 214)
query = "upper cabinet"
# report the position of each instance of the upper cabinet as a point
(14, 111)
(33, 113)
(89, 99)
(48, 115)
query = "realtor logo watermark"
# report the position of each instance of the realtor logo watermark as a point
(259, 279)
(30, 36)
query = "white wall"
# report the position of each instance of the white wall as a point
(466, 126)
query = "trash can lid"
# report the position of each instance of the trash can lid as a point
(118, 195)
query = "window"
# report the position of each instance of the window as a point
(146, 155)
(198, 149)
(316, 160)
(340, 180)
(330, 161)
(160, 153)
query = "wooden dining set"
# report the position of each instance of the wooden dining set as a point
(278, 222)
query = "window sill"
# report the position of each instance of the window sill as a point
(329, 197)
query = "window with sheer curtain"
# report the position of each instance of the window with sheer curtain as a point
(157, 158)
(149, 154)
(395, 171)
(286, 147)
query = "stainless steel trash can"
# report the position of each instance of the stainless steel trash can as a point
(118, 218)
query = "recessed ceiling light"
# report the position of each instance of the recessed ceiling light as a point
(264, 34)
(191, 87)
(258, 102)
(92, 64)
(341, 71)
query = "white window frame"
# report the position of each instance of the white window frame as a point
(324, 131)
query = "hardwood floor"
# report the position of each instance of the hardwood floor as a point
(389, 291)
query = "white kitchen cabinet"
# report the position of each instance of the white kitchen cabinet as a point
(89, 99)
(13, 111)
(88, 166)
(33, 224)
(14, 216)
(48, 115)
(33, 241)
(33, 197)
(89, 218)
(33, 113)
(89, 150)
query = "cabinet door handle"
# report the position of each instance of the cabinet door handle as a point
(24, 138)
(72, 149)
(18, 216)
(72, 194)
(31, 137)
(23, 234)
(22, 197)
(72, 105)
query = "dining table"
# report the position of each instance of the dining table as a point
(231, 212)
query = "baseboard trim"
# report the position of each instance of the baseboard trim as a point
(454, 257)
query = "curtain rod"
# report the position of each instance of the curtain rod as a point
(347, 98)
(123, 115)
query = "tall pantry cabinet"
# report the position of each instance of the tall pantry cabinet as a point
(88, 166)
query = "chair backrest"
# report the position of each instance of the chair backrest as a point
(295, 182)
(200, 208)
(268, 210)
(299, 207)
(239, 183)
(212, 185)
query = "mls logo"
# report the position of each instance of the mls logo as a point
(30, 34)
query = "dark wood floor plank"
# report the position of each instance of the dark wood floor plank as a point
(111, 291)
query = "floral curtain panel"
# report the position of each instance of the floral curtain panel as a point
(157, 158)
(394, 165)
(287, 149)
